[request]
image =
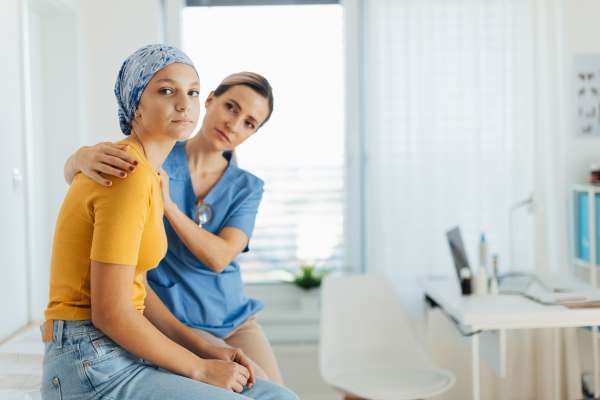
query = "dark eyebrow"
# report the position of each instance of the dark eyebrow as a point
(238, 106)
(169, 80)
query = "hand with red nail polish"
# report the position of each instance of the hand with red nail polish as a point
(107, 158)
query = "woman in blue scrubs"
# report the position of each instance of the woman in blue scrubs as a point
(210, 207)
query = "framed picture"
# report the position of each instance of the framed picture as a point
(586, 98)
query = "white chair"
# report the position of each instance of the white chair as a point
(368, 349)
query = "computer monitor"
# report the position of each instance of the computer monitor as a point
(458, 250)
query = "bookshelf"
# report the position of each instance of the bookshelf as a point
(579, 257)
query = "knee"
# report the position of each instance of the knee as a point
(271, 391)
(286, 394)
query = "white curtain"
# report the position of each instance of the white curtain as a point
(463, 122)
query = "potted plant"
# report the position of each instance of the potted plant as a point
(309, 280)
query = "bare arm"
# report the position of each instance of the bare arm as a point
(162, 318)
(114, 314)
(105, 157)
(216, 252)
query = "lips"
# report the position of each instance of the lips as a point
(184, 121)
(223, 135)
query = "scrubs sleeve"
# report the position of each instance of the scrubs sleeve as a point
(244, 217)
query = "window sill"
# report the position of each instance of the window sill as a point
(286, 318)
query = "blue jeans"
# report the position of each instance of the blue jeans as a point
(83, 363)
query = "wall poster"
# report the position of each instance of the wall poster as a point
(587, 94)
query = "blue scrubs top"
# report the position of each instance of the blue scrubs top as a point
(196, 295)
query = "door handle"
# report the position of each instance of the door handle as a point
(17, 179)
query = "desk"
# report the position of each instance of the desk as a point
(504, 312)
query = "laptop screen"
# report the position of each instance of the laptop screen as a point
(458, 250)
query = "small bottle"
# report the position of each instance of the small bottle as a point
(494, 283)
(483, 252)
(465, 280)
(594, 174)
(481, 282)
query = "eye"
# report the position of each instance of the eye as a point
(250, 124)
(194, 93)
(229, 106)
(165, 91)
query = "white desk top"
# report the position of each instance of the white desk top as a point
(506, 311)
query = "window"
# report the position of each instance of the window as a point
(299, 153)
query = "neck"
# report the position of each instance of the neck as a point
(155, 149)
(202, 156)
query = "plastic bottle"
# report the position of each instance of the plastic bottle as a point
(494, 282)
(465, 280)
(483, 254)
(481, 282)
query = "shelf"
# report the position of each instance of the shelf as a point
(585, 187)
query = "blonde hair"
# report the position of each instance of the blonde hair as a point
(256, 82)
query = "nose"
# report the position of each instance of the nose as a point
(234, 124)
(184, 103)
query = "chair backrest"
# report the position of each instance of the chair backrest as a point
(363, 325)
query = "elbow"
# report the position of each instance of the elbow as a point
(218, 268)
(104, 318)
(218, 265)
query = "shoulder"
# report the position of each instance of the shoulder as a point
(245, 179)
(137, 185)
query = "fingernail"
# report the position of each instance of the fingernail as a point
(108, 183)
(123, 174)
(131, 168)
(136, 162)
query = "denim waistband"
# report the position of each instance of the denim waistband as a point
(63, 329)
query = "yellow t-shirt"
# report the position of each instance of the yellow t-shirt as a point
(118, 224)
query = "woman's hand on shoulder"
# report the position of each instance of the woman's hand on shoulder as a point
(106, 157)
(168, 204)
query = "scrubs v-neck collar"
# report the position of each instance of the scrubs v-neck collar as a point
(213, 194)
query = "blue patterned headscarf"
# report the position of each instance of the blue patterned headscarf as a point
(137, 71)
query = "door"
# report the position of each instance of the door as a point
(13, 256)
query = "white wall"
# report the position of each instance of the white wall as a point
(581, 35)
(111, 31)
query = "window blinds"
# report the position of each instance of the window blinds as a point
(299, 153)
(450, 131)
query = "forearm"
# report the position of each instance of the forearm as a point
(134, 332)
(212, 250)
(69, 170)
(162, 318)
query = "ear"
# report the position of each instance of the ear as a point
(210, 99)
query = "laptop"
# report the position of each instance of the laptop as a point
(458, 251)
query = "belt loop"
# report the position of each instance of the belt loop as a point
(59, 332)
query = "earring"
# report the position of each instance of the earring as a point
(135, 115)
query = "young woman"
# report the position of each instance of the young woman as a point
(210, 208)
(107, 333)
